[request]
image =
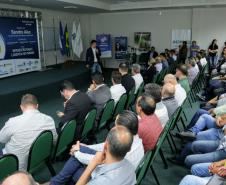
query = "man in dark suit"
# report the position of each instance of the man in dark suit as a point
(127, 81)
(99, 92)
(76, 106)
(152, 53)
(93, 54)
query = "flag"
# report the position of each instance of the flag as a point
(67, 44)
(79, 44)
(61, 39)
(73, 38)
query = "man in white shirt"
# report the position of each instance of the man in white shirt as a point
(117, 90)
(180, 93)
(155, 91)
(137, 76)
(83, 154)
(20, 132)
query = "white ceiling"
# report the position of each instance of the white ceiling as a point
(95, 6)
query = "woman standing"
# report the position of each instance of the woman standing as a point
(183, 52)
(213, 50)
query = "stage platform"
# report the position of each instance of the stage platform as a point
(43, 84)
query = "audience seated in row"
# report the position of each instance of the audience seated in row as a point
(161, 112)
(127, 81)
(84, 154)
(117, 90)
(180, 93)
(137, 76)
(76, 106)
(20, 132)
(150, 127)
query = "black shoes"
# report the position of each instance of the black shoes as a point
(187, 135)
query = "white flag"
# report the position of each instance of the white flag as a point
(74, 35)
(79, 44)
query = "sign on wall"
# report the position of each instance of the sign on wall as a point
(121, 45)
(19, 46)
(142, 40)
(180, 35)
(104, 43)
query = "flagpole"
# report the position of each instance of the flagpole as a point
(54, 37)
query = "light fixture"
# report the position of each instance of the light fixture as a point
(70, 7)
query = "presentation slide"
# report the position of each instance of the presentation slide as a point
(104, 43)
(19, 46)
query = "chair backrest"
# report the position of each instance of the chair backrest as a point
(107, 113)
(140, 90)
(8, 165)
(120, 106)
(89, 123)
(65, 138)
(143, 167)
(40, 150)
(130, 99)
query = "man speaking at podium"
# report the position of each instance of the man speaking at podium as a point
(93, 54)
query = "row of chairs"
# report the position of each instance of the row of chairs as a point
(181, 117)
(44, 152)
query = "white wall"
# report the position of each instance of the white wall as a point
(209, 24)
(126, 23)
(206, 24)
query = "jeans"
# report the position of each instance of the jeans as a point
(201, 170)
(96, 68)
(210, 134)
(196, 117)
(72, 170)
(206, 152)
(213, 61)
(194, 180)
(204, 121)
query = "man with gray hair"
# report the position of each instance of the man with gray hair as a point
(180, 93)
(168, 98)
(110, 167)
(137, 76)
(193, 70)
(19, 178)
(20, 132)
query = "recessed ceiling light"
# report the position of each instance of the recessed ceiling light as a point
(70, 7)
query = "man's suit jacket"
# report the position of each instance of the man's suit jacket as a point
(99, 97)
(76, 108)
(90, 56)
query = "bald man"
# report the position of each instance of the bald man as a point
(168, 98)
(180, 93)
(19, 178)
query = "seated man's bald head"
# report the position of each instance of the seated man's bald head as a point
(119, 140)
(169, 78)
(19, 178)
(168, 90)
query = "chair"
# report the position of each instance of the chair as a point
(8, 165)
(40, 152)
(139, 91)
(65, 138)
(120, 106)
(143, 167)
(106, 114)
(130, 99)
(89, 123)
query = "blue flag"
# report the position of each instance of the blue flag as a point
(62, 40)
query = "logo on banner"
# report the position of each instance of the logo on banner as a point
(2, 47)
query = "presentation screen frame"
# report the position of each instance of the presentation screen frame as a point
(19, 46)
